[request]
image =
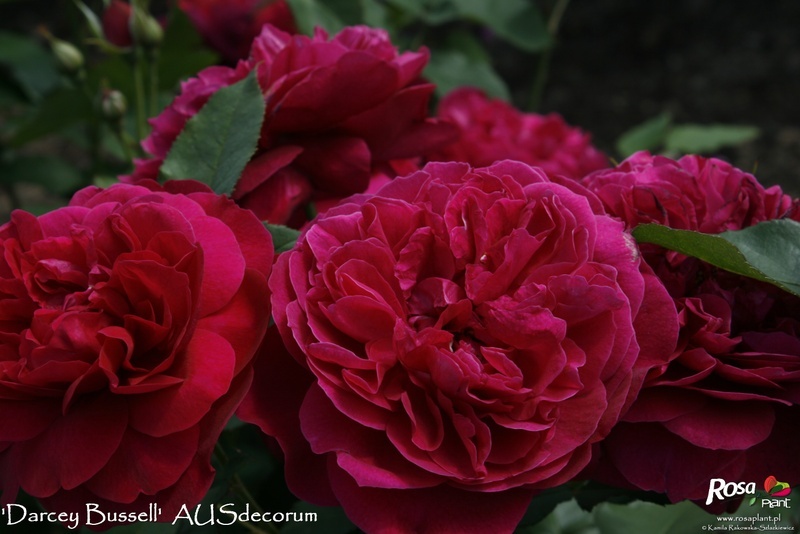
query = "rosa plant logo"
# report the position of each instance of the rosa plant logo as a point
(775, 488)
(719, 489)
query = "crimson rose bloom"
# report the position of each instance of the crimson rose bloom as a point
(128, 322)
(338, 112)
(461, 339)
(229, 26)
(493, 130)
(726, 405)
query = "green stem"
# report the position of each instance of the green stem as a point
(239, 488)
(543, 68)
(556, 15)
(124, 140)
(138, 81)
(92, 126)
(311, 211)
(94, 142)
(220, 453)
(13, 197)
(152, 60)
(539, 82)
(244, 493)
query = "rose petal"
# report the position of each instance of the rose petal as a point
(159, 463)
(73, 449)
(180, 407)
(274, 405)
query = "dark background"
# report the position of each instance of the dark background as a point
(620, 62)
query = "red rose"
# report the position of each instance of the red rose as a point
(461, 340)
(693, 193)
(116, 23)
(493, 130)
(338, 111)
(128, 321)
(726, 406)
(230, 26)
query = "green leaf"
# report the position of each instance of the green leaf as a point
(11, 93)
(57, 110)
(234, 423)
(768, 251)
(311, 13)
(590, 494)
(544, 503)
(347, 11)
(431, 12)
(216, 144)
(772, 247)
(697, 138)
(566, 518)
(650, 518)
(455, 67)
(648, 135)
(95, 26)
(31, 66)
(517, 21)
(375, 14)
(245, 454)
(182, 53)
(56, 175)
(283, 237)
(660, 132)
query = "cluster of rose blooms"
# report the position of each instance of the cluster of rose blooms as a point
(466, 323)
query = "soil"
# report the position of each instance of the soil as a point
(620, 62)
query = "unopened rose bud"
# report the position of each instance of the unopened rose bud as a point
(117, 24)
(68, 57)
(145, 29)
(113, 105)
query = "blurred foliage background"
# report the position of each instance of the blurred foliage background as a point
(704, 76)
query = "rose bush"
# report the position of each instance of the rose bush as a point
(128, 322)
(493, 130)
(230, 26)
(460, 340)
(338, 112)
(726, 405)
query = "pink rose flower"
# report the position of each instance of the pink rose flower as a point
(493, 130)
(230, 26)
(458, 341)
(128, 322)
(338, 112)
(726, 405)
